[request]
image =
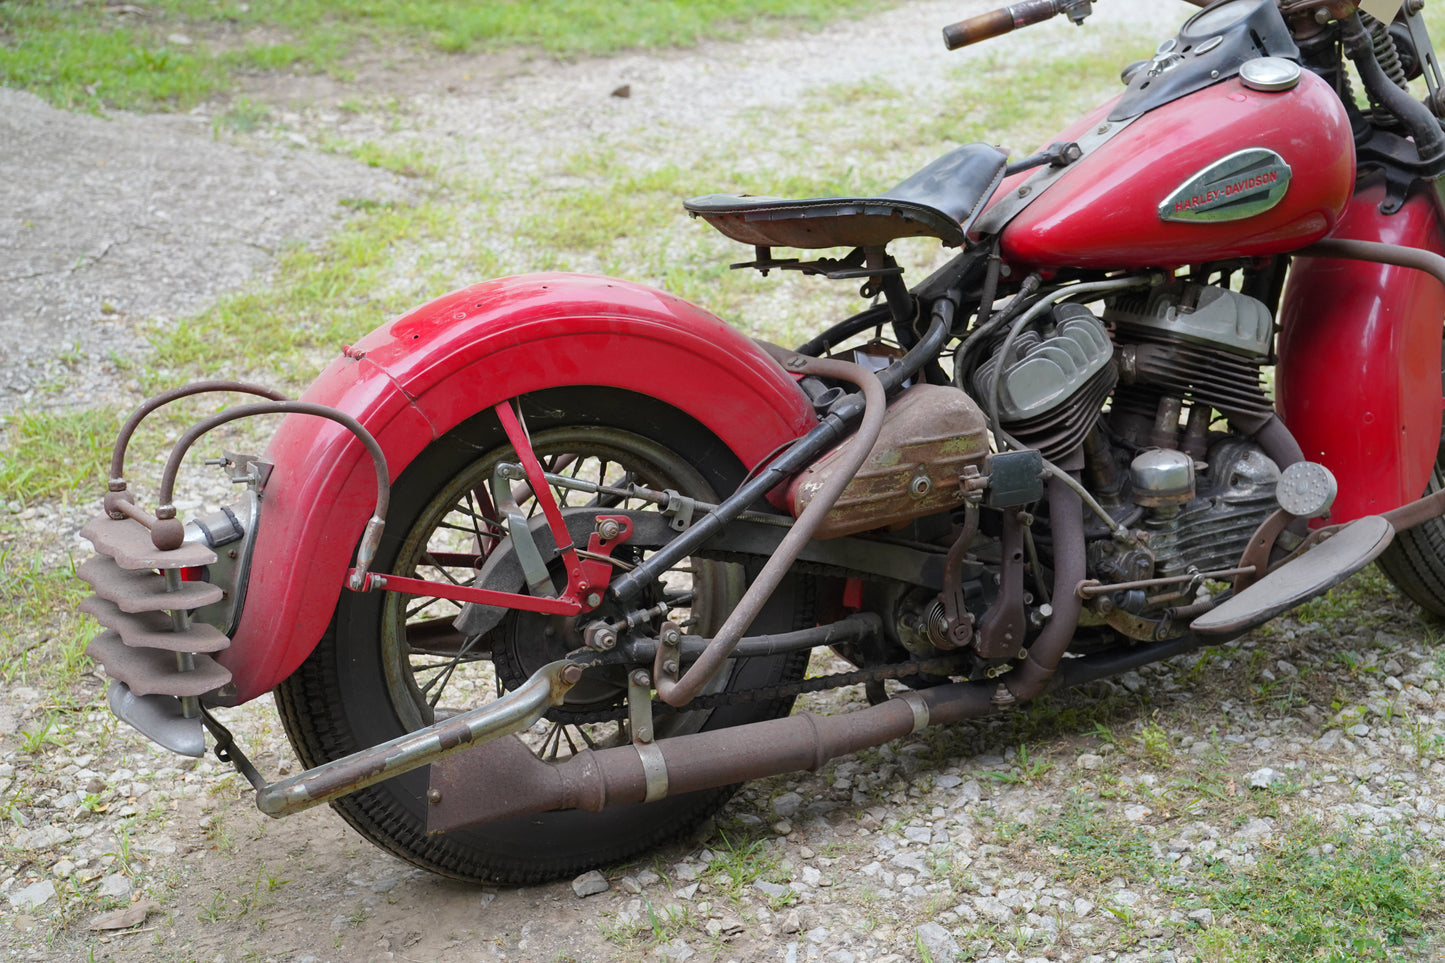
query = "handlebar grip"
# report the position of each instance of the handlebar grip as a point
(986, 26)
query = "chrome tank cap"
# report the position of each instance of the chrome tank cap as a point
(1269, 74)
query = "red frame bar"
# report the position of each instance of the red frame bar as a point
(468, 593)
(537, 478)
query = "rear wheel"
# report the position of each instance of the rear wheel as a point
(393, 663)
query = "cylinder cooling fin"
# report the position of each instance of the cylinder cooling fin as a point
(1199, 343)
(1054, 382)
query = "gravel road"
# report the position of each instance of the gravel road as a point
(960, 843)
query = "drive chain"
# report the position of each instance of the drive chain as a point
(939, 666)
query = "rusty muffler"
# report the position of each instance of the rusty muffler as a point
(503, 779)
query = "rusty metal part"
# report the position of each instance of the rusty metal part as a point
(931, 434)
(1001, 631)
(374, 527)
(151, 649)
(511, 713)
(958, 623)
(1091, 588)
(1418, 512)
(142, 590)
(1254, 563)
(155, 629)
(1066, 522)
(151, 671)
(941, 667)
(129, 543)
(677, 691)
(637, 651)
(778, 468)
(639, 705)
(150, 405)
(1318, 11)
(596, 779)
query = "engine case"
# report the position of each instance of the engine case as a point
(930, 435)
(1213, 531)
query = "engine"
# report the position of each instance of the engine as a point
(1155, 404)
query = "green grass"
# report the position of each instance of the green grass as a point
(1096, 847)
(1367, 899)
(1313, 893)
(42, 639)
(174, 54)
(53, 454)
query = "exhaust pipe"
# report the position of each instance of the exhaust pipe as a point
(504, 780)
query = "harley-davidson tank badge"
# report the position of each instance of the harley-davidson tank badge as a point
(1241, 185)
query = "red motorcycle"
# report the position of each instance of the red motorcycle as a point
(535, 569)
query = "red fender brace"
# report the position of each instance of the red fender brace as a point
(418, 376)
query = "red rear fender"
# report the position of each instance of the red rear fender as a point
(420, 375)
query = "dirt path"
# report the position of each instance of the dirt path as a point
(918, 851)
(107, 225)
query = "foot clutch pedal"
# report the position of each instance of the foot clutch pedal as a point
(1313, 573)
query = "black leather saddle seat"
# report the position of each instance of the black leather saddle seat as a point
(939, 201)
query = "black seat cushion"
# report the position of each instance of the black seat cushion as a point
(939, 201)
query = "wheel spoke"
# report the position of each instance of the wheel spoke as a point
(433, 563)
(445, 674)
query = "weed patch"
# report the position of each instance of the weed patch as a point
(52, 454)
(1332, 896)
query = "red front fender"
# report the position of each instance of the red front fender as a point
(418, 376)
(1359, 360)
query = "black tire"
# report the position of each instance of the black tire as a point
(343, 698)
(1415, 560)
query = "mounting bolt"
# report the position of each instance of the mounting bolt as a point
(572, 674)
(670, 667)
(644, 733)
(608, 529)
(434, 796)
(640, 677)
(599, 636)
(671, 635)
(593, 600)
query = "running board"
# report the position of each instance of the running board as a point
(1315, 572)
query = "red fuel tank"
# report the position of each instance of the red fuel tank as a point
(1223, 172)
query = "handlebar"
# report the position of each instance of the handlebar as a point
(995, 23)
(986, 26)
